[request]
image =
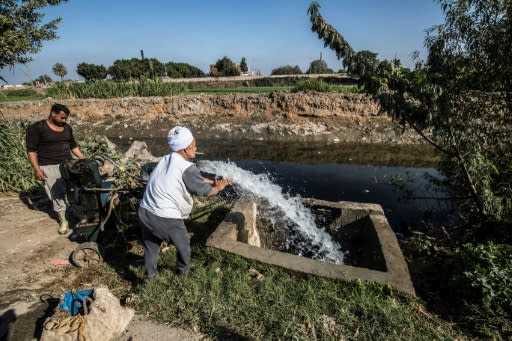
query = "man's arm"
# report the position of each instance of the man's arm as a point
(38, 172)
(32, 142)
(199, 185)
(77, 152)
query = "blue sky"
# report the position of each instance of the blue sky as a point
(268, 33)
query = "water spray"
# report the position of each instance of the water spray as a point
(313, 240)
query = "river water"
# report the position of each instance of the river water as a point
(394, 176)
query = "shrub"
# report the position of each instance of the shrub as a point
(16, 174)
(287, 70)
(312, 85)
(482, 283)
(109, 89)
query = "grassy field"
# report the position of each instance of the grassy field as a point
(224, 91)
(231, 298)
(106, 89)
(16, 95)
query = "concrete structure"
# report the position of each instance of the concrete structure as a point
(362, 229)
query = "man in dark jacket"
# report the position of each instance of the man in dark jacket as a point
(50, 142)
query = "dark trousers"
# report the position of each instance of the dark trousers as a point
(156, 229)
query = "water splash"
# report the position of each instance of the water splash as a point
(314, 241)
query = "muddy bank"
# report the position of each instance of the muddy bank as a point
(273, 116)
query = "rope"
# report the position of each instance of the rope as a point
(110, 206)
(74, 324)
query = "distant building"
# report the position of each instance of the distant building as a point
(12, 86)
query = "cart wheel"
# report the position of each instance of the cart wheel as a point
(86, 254)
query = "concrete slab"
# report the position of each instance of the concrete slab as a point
(359, 221)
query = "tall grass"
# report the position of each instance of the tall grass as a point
(253, 90)
(110, 89)
(16, 174)
(319, 85)
(20, 95)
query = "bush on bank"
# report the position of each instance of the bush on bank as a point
(16, 174)
(110, 89)
(318, 85)
(482, 286)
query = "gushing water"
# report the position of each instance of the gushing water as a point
(313, 240)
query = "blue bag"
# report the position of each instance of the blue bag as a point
(73, 301)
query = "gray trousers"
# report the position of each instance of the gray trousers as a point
(156, 229)
(55, 187)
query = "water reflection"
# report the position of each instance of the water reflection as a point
(373, 154)
(393, 176)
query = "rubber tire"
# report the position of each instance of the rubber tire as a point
(86, 254)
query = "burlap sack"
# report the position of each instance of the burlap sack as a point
(105, 320)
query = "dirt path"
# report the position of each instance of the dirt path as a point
(29, 248)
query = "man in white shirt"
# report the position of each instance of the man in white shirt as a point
(168, 200)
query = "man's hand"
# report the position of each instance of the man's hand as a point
(219, 185)
(40, 174)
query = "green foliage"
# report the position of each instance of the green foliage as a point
(59, 70)
(42, 80)
(16, 174)
(183, 70)
(228, 297)
(20, 95)
(121, 70)
(22, 31)
(28, 92)
(96, 146)
(482, 281)
(316, 84)
(231, 71)
(459, 100)
(318, 66)
(312, 85)
(136, 69)
(287, 70)
(250, 90)
(91, 72)
(226, 67)
(109, 89)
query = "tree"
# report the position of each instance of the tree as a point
(459, 100)
(60, 70)
(287, 70)
(243, 65)
(41, 80)
(183, 70)
(226, 67)
(124, 69)
(121, 70)
(91, 72)
(318, 66)
(22, 31)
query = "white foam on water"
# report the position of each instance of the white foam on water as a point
(315, 240)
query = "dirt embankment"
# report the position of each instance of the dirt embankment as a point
(273, 116)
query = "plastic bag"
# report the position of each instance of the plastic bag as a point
(102, 319)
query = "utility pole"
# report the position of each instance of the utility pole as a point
(142, 54)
